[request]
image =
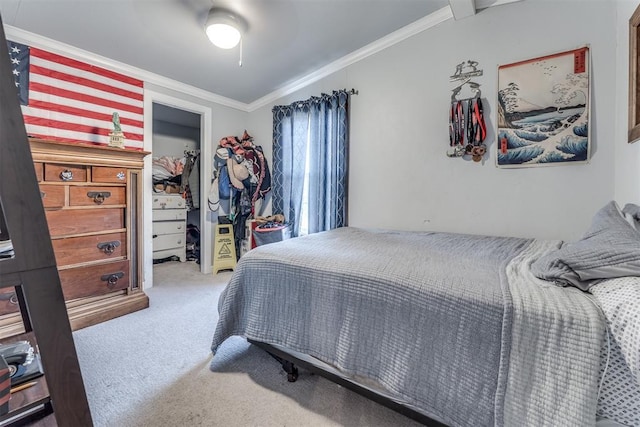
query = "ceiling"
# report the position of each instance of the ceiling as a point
(286, 39)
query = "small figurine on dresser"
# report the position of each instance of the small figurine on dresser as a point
(116, 137)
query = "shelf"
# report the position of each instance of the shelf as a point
(33, 402)
(33, 269)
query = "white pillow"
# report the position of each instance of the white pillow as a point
(630, 219)
(619, 299)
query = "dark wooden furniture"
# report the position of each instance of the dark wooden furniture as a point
(91, 196)
(32, 271)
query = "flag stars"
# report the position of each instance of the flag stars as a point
(16, 72)
(15, 49)
(15, 61)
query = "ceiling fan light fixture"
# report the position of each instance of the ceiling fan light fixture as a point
(224, 28)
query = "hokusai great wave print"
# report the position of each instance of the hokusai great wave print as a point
(543, 110)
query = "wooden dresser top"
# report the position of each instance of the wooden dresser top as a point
(85, 154)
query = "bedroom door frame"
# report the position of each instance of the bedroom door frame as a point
(206, 225)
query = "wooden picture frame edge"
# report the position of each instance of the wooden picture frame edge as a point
(634, 77)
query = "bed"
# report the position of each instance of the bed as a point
(456, 329)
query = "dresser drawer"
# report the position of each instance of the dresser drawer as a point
(96, 196)
(52, 195)
(94, 280)
(76, 250)
(169, 214)
(168, 202)
(108, 174)
(39, 170)
(169, 227)
(168, 241)
(76, 221)
(54, 172)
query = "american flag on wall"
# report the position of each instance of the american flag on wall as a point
(67, 100)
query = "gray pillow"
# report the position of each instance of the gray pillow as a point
(634, 212)
(610, 248)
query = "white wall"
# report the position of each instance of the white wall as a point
(627, 160)
(400, 176)
(222, 121)
(170, 139)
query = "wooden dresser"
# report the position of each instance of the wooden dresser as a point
(93, 204)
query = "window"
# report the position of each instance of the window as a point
(310, 163)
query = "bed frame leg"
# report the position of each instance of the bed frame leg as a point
(288, 367)
(291, 370)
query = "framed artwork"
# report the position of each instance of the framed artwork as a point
(543, 111)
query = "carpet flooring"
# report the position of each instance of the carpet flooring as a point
(154, 368)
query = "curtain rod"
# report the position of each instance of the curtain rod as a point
(351, 91)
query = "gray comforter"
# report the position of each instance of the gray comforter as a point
(434, 318)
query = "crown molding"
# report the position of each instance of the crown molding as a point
(483, 4)
(25, 37)
(21, 36)
(389, 40)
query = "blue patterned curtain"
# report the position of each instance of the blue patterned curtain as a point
(313, 135)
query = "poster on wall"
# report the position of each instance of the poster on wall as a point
(543, 111)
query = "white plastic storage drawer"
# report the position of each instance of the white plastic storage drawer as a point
(169, 214)
(168, 241)
(168, 202)
(168, 227)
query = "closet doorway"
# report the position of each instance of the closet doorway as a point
(176, 184)
(178, 130)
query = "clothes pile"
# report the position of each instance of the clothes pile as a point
(241, 175)
(6, 249)
(174, 175)
(167, 173)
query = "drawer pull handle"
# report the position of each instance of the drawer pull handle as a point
(108, 247)
(121, 176)
(112, 279)
(12, 298)
(42, 194)
(98, 196)
(66, 175)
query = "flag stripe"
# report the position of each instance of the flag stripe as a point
(48, 81)
(80, 138)
(85, 74)
(82, 66)
(66, 135)
(66, 102)
(33, 115)
(66, 109)
(35, 69)
(39, 87)
(69, 136)
(31, 120)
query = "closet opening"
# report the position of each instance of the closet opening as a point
(177, 185)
